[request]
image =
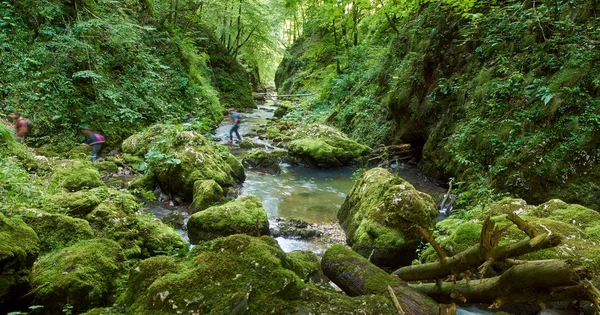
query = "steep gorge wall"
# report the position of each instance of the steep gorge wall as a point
(115, 66)
(504, 98)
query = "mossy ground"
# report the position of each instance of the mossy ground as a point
(77, 175)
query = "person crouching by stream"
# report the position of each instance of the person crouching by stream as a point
(235, 117)
(22, 125)
(93, 139)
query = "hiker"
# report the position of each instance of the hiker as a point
(236, 122)
(95, 140)
(22, 125)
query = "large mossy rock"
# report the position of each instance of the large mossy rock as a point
(85, 275)
(579, 227)
(262, 161)
(57, 230)
(244, 215)
(140, 235)
(323, 146)
(78, 203)
(178, 157)
(379, 216)
(76, 176)
(19, 248)
(238, 274)
(206, 193)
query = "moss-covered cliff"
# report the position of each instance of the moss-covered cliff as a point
(503, 95)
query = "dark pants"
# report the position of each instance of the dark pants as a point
(234, 129)
(95, 150)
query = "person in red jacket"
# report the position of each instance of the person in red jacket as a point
(21, 125)
(95, 140)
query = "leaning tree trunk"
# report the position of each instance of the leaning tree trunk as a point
(357, 276)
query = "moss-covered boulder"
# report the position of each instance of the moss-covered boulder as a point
(282, 108)
(576, 224)
(262, 161)
(237, 274)
(322, 146)
(77, 203)
(19, 248)
(379, 216)
(85, 275)
(179, 156)
(206, 193)
(307, 266)
(76, 176)
(80, 152)
(144, 181)
(140, 235)
(244, 215)
(57, 230)
(248, 144)
(106, 166)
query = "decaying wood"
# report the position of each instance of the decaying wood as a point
(523, 225)
(395, 300)
(480, 256)
(534, 282)
(357, 276)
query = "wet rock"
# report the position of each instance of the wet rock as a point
(80, 152)
(307, 266)
(76, 176)
(85, 275)
(57, 230)
(182, 156)
(238, 273)
(206, 193)
(262, 161)
(282, 108)
(115, 183)
(19, 249)
(244, 215)
(379, 215)
(295, 228)
(174, 219)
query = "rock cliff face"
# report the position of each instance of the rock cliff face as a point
(379, 216)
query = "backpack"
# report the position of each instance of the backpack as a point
(29, 125)
(100, 138)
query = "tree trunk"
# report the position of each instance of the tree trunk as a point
(476, 256)
(357, 276)
(530, 282)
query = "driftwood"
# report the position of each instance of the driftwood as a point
(540, 282)
(357, 276)
(480, 256)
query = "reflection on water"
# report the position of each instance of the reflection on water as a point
(301, 193)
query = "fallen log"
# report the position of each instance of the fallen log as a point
(356, 276)
(478, 256)
(531, 282)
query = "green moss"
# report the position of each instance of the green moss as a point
(247, 144)
(380, 213)
(106, 166)
(57, 230)
(243, 215)
(79, 152)
(262, 161)
(76, 176)
(144, 274)
(104, 311)
(144, 181)
(307, 266)
(508, 205)
(18, 251)
(174, 219)
(206, 193)
(77, 203)
(84, 275)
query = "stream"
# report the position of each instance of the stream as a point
(308, 194)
